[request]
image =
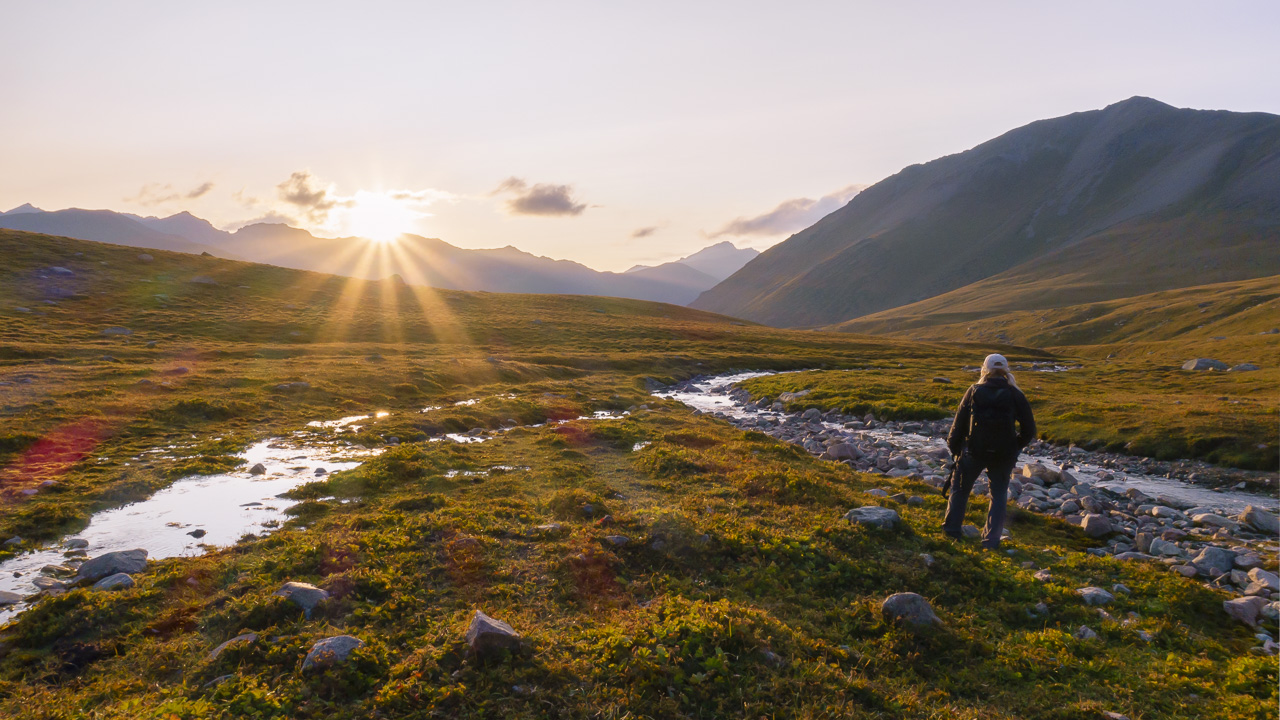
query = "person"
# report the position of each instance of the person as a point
(983, 437)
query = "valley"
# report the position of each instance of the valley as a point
(656, 562)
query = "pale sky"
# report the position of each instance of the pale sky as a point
(604, 132)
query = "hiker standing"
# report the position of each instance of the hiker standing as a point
(983, 437)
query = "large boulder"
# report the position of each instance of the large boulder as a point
(330, 651)
(303, 595)
(1260, 520)
(842, 451)
(910, 609)
(1204, 364)
(9, 598)
(121, 561)
(874, 516)
(1245, 609)
(1214, 520)
(1214, 561)
(1262, 581)
(1096, 526)
(1164, 548)
(488, 637)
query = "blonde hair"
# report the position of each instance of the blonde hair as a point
(998, 372)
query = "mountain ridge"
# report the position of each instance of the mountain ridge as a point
(428, 261)
(1137, 179)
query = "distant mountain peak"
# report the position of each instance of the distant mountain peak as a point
(23, 209)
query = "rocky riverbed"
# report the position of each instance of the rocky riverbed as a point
(1228, 539)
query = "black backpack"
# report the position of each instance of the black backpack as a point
(991, 424)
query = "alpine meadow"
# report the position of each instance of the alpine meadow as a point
(623, 362)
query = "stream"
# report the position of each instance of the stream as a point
(712, 395)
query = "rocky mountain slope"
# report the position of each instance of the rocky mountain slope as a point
(1134, 198)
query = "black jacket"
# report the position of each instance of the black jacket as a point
(1022, 409)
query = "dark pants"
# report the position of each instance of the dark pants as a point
(998, 469)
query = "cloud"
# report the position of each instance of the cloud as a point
(791, 215)
(540, 199)
(302, 191)
(153, 194)
(644, 232)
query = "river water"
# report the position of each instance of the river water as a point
(712, 396)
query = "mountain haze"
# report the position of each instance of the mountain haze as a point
(1134, 198)
(418, 260)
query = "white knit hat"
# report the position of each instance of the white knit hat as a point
(994, 362)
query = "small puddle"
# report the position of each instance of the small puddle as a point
(712, 396)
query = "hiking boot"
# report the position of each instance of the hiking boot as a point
(954, 535)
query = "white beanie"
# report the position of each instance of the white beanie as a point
(994, 361)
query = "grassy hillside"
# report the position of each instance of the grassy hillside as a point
(739, 592)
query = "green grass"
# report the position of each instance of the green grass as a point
(754, 555)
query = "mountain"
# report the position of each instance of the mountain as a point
(102, 226)
(22, 209)
(418, 260)
(1135, 198)
(717, 261)
(698, 272)
(186, 225)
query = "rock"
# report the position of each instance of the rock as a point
(1245, 609)
(303, 595)
(1244, 367)
(1115, 715)
(1084, 633)
(13, 541)
(119, 581)
(145, 257)
(877, 492)
(1043, 575)
(1260, 520)
(198, 533)
(1126, 556)
(1095, 595)
(1214, 561)
(811, 415)
(203, 280)
(330, 651)
(1217, 521)
(60, 271)
(1164, 548)
(787, 397)
(1187, 571)
(48, 583)
(1247, 561)
(1204, 364)
(122, 561)
(244, 639)
(1142, 541)
(76, 543)
(874, 516)
(1267, 580)
(617, 540)
(293, 386)
(909, 608)
(117, 330)
(258, 469)
(1119, 589)
(1096, 526)
(9, 598)
(488, 638)
(970, 531)
(842, 451)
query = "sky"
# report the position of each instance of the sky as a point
(607, 133)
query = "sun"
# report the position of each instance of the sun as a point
(379, 216)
